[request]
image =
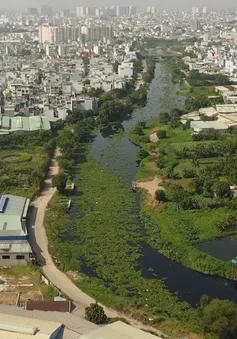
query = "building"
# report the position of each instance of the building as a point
(49, 305)
(118, 330)
(205, 126)
(14, 246)
(32, 11)
(122, 10)
(46, 10)
(151, 9)
(81, 12)
(64, 13)
(17, 323)
(58, 34)
(195, 25)
(84, 104)
(132, 10)
(15, 327)
(125, 70)
(96, 33)
(204, 10)
(23, 124)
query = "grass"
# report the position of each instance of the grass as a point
(19, 170)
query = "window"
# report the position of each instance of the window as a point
(6, 256)
(20, 257)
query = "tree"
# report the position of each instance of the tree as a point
(222, 189)
(59, 181)
(95, 313)
(160, 195)
(219, 317)
(161, 134)
(164, 118)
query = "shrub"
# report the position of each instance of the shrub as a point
(95, 313)
(160, 195)
(161, 134)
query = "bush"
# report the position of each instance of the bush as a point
(95, 313)
(145, 139)
(161, 134)
(59, 181)
(160, 195)
(219, 318)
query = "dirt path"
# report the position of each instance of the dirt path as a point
(39, 242)
(150, 186)
(153, 137)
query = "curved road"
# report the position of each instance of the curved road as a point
(39, 242)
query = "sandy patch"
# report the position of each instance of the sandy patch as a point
(153, 137)
(150, 186)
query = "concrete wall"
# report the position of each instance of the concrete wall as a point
(13, 261)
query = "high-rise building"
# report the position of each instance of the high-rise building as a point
(151, 9)
(46, 34)
(81, 12)
(207, 36)
(58, 34)
(96, 33)
(204, 10)
(90, 11)
(32, 11)
(194, 11)
(46, 10)
(195, 25)
(64, 13)
(122, 10)
(132, 10)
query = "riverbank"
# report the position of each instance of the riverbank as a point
(178, 230)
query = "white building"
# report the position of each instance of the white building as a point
(125, 70)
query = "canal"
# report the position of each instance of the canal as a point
(117, 154)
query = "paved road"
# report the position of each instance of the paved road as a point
(39, 243)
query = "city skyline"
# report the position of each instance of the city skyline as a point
(23, 4)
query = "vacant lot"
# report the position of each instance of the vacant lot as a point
(18, 284)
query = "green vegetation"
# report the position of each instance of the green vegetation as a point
(24, 162)
(219, 318)
(177, 68)
(150, 70)
(95, 314)
(202, 79)
(59, 181)
(197, 176)
(106, 225)
(198, 97)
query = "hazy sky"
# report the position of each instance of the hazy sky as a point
(21, 4)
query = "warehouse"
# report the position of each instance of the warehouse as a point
(14, 246)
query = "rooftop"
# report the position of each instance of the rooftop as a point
(13, 210)
(16, 327)
(118, 330)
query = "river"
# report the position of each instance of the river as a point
(119, 156)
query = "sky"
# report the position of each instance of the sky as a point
(57, 4)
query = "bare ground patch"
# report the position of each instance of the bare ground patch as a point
(150, 186)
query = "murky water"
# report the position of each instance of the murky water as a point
(118, 155)
(224, 249)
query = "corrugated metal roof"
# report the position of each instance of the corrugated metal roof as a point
(74, 326)
(15, 246)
